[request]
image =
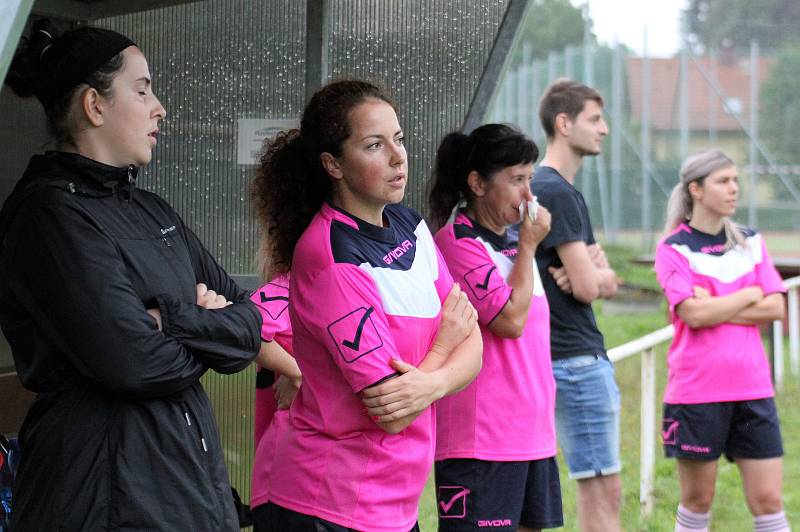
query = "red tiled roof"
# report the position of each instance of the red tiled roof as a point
(733, 77)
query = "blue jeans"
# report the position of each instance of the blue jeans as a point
(587, 415)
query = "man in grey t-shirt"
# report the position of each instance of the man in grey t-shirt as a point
(575, 272)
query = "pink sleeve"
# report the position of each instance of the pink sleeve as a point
(445, 281)
(272, 301)
(768, 277)
(477, 273)
(351, 324)
(674, 275)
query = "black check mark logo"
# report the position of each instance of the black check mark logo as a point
(265, 299)
(354, 345)
(485, 284)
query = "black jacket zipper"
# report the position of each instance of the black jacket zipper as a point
(131, 181)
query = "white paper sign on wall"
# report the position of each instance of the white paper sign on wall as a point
(251, 135)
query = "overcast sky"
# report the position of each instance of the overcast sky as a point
(625, 20)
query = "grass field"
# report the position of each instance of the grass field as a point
(729, 512)
(784, 244)
(232, 396)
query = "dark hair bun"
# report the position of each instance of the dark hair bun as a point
(454, 150)
(25, 66)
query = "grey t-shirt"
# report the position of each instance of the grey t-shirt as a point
(573, 330)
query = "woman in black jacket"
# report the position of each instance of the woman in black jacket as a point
(113, 309)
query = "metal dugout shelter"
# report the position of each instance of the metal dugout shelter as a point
(230, 71)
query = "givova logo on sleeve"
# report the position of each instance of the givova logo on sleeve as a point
(355, 335)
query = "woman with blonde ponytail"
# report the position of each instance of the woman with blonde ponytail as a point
(694, 170)
(720, 284)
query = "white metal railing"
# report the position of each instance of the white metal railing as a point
(646, 346)
(793, 287)
(647, 456)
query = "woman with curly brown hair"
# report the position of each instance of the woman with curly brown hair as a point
(379, 329)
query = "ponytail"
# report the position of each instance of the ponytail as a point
(696, 168)
(449, 184)
(287, 192)
(679, 207)
(733, 234)
(24, 68)
(487, 150)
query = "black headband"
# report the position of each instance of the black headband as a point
(73, 57)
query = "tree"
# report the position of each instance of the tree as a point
(732, 24)
(780, 107)
(550, 25)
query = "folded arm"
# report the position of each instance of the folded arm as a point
(586, 273)
(511, 321)
(453, 361)
(73, 284)
(226, 339)
(704, 310)
(769, 309)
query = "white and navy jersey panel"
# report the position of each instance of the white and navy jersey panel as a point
(360, 296)
(705, 260)
(375, 291)
(492, 257)
(401, 259)
(723, 362)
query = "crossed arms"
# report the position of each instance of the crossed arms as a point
(748, 306)
(585, 273)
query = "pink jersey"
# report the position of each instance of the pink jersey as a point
(725, 362)
(508, 412)
(360, 296)
(272, 301)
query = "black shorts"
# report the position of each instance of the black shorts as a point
(740, 429)
(270, 517)
(479, 495)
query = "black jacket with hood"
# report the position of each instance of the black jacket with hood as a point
(121, 435)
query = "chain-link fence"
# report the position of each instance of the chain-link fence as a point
(659, 110)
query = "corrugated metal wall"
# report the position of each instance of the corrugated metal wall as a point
(219, 61)
(212, 64)
(429, 55)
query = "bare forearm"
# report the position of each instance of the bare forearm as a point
(447, 375)
(510, 323)
(594, 284)
(273, 357)
(710, 311)
(768, 309)
(463, 364)
(521, 276)
(438, 358)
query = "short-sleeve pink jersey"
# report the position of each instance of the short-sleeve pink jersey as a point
(508, 412)
(272, 301)
(360, 295)
(725, 362)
